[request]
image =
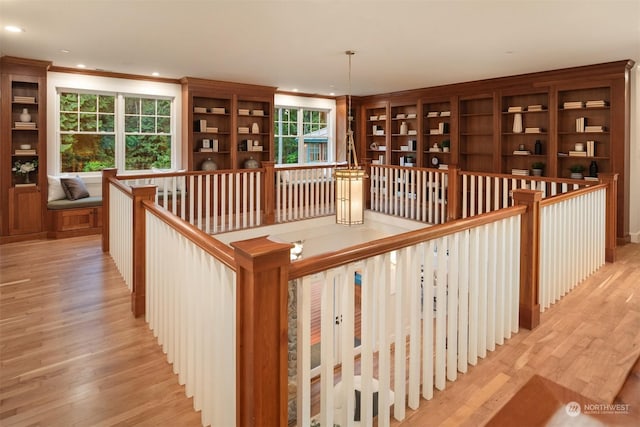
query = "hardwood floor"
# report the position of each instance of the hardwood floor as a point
(71, 353)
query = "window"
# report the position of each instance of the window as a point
(302, 135)
(99, 130)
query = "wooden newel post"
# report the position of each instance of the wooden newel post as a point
(610, 239)
(268, 192)
(140, 193)
(262, 268)
(106, 174)
(454, 194)
(529, 257)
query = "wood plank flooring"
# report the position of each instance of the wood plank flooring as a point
(71, 353)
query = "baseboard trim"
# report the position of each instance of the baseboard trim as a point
(635, 237)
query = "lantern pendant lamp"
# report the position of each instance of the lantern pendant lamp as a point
(350, 179)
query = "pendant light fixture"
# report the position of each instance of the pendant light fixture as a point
(350, 179)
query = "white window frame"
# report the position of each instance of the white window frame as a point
(60, 82)
(309, 103)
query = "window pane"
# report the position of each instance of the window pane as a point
(149, 106)
(106, 123)
(131, 105)
(86, 153)
(164, 125)
(147, 151)
(164, 107)
(132, 124)
(148, 125)
(88, 102)
(68, 102)
(68, 121)
(106, 104)
(290, 150)
(88, 122)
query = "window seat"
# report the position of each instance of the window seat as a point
(72, 218)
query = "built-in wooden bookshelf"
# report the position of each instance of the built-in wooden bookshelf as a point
(23, 146)
(404, 122)
(476, 134)
(228, 123)
(376, 132)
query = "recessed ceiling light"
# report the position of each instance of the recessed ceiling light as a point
(14, 29)
(65, 51)
(155, 74)
(81, 66)
(295, 90)
(332, 94)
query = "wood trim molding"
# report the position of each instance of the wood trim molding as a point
(112, 74)
(138, 292)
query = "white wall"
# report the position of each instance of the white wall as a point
(105, 84)
(634, 152)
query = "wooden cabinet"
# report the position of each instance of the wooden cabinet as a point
(227, 123)
(23, 165)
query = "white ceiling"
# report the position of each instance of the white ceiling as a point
(300, 44)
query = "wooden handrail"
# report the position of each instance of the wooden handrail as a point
(557, 180)
(570, 195)
(314, 166)
(366, 250)
(115, 180)
(185, 174)
(209, 244)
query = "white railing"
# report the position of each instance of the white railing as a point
(190, 306)
(212, 201)
(412, 193)
(428, 310)
(572, 243)
(121, 231)
(489, 192)
(304, 193)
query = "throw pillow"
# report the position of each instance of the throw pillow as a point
(56, 192)
(74, 188)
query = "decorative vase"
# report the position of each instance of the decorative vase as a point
(576, 175)
(536, 172)
(251, 163)
(25, 117)
(404, 128)
(537, 148)
(209, 165)
(255, 128)
(593, 169)
(517, 123)
(26, 178)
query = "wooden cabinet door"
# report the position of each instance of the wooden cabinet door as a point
(25, 210)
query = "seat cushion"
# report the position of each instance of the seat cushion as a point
(86, 202)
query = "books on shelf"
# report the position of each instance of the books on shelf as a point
(596, 103)
(373, 117)
(259, 113)
(243, 111)
(382, 117)
(219, 110)
(25, 125)
(581, 123)
(443, 166)
(594, 128)
(199, 109)
(574, 153)
(412, 132)
(521, 172)
(31, 152)
(569, 105)
(29, 184)
(514, 109)
(433, 114)
(411, 115)
(591, 178)
(445, 113)
(401, 116)
(535, 107)
(243, 129)
(24, 99)
(206, 150)
(521, 152)
(532, 130)
(591, 148)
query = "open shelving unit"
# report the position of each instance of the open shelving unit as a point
(437, 134)
(377, 138)
(404, 134)
(531, 110)
(569, 133)
(476, 140)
